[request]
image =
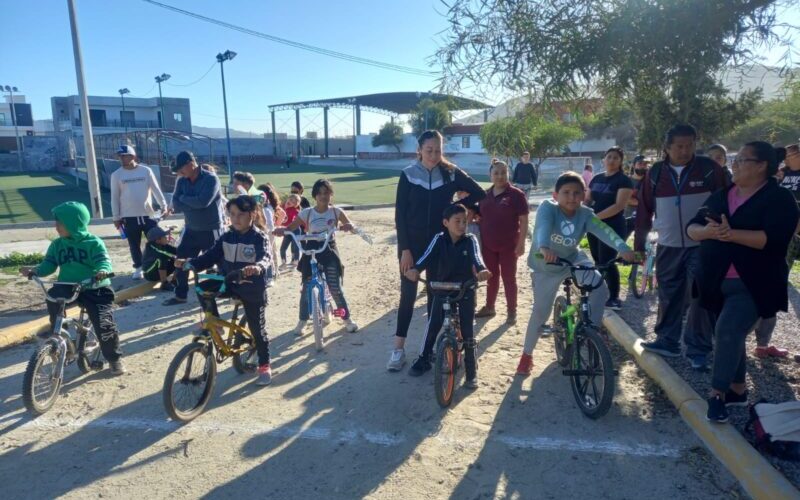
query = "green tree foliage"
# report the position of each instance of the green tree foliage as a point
(661, 56)
(388, 135)
(542, 137)
(776, 121)
(430, 115)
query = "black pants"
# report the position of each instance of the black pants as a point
(408, 295)
(135, 227)
(738, 317)
(287, 241)
(164, 264)
(466, 313)
(192, 244)
(603, 254)
(254, 303)
(99, 305)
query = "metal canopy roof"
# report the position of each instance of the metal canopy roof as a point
(392, 103)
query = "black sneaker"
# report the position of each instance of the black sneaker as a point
(699, 363)
(174, 301)
(717, 412)
(166, 286)
(661, 348)
(420, 366)
(732, 399)
(614, 304)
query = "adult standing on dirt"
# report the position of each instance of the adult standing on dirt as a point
(504, 227)
(197, 194)
(425, 189)
(132, 188)
(743, 275)
(673, 190)
(525, 177)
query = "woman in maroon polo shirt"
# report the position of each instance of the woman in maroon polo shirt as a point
(504, 226)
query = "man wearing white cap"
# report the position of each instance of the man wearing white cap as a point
(132, 188)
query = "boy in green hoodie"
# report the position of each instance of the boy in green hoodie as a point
(80, 255)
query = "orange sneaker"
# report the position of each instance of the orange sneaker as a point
(525, 366)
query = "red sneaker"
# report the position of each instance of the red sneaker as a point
(264, 375)
(525, 366)
(771, 351)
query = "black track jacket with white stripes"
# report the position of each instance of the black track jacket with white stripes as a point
(446, 260)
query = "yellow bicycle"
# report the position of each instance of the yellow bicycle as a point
(190, 378)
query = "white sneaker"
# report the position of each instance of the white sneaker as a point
(350, 326)
(396, 360)
(327, 318)
(298, 330)
(137, 273)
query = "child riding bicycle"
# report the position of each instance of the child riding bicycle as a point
(321, 218)
(79, 255)
(244, 247)
(560, 225)
(453, 256)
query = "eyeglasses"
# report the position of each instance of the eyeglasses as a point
(745, 160)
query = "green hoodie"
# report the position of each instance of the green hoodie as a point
(80, 255)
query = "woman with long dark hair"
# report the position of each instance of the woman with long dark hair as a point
(425, 189)
(743, 274)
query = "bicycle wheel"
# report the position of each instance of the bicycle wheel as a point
(40, 384)
(89, 354)
(592, 373)
(189, 381)
(317, 317)
(444, 370)
(560, 330)
(247, 361)
(637, 283)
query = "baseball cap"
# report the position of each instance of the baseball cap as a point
(638, 158)
(182, 159)
(125, 149)
(155, 233)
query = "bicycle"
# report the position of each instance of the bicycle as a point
(579, 345)
(449, 357)
(640, 281)
(44, 374)
(186, 390)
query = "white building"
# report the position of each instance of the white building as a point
(115, 114)
(21, 115)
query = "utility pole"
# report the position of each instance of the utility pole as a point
(221, 58)
(162, 78)
(122, 93)
(20, 148)
(86, 122)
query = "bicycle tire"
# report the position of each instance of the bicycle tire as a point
(36, 408)
(243, 362)
(637, 282)
(560, 330)
(205, 351)
(589, 348)
(317, 317)
(444, 370)
(89, 362)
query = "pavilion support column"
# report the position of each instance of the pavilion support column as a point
(325, 132)
(274, 136)
(297, 129)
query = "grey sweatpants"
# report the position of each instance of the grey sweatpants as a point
(546, 283)
(739, 315)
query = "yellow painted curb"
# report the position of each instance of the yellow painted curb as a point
(760, 479)
(17, 334)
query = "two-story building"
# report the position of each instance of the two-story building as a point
(19, 114)
(112, 114)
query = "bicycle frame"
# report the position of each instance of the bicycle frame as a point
(318, 281)
(212, 324)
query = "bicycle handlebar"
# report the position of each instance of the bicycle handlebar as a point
(299, 238)
(77, 287)
(448, 287)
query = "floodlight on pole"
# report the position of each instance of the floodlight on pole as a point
(20, 147)
(122, 93)
(163, 77)
(228, 55)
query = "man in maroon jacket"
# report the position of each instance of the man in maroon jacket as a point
(672, 191)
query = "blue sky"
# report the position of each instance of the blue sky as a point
(127, 42)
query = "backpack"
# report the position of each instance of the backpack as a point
(776, 428)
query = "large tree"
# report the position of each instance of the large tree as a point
(389, 135)
(663, 56)
(541, 136)
(776, 121)
(430, 115)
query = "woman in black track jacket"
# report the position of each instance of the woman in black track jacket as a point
(425, 189)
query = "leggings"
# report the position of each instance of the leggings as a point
(287, 241)
(546, 284)
(502, 263)
(602, 254)
(466, 314)
(334, 281)
(408, 295)
(254, 305)
(738, 316)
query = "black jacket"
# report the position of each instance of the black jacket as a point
(524, 173)
(422, 196)
(448, 261)
(764, 272)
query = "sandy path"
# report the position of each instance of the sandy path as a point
(337, 425)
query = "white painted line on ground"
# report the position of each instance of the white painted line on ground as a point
(319, 433)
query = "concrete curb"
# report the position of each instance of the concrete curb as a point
(23, 332)
(752, 470)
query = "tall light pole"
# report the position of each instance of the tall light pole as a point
(122, 93)
(228, 55)
(355, 137)
(162, 78)
(20, 149)
(86, 122)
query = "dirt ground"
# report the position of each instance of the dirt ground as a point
(336, 424)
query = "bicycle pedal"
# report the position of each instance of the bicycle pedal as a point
(616, 372)
(97, 365)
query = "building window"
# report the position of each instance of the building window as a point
(177, 117)
(465, 142)
(127, 118)
(2, 119)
